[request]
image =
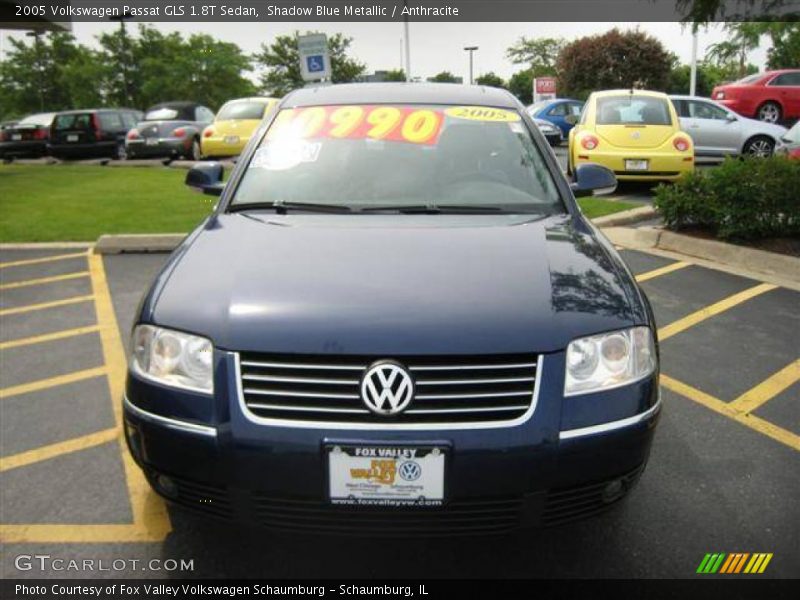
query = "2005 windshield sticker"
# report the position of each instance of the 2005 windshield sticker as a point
(389, 123)
(482, 113)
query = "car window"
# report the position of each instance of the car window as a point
(680, 107)
(410, 155)
(704, 110)
(161, 114)
(632, 110)
(241, 110)
(575, 108)
(559, 110)
(73, 121)
(44, 119)
(204, 115)
(786, 79)
(111, 121)
(749, 79)
(130, 119)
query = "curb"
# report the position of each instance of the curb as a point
(145, 242)
(739, 257)
(626, 217)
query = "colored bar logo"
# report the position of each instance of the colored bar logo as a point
(734, 563)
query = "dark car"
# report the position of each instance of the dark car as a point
(396, 321)
(170, 130)
(93, 133)
(26, 138)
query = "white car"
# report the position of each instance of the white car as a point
(718, 132)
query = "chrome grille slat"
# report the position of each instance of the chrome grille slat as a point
(324, 390)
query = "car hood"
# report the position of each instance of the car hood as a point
(393, 284)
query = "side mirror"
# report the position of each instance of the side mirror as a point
(206, 178)
(571, 119)
(730, 118)
(593, 180)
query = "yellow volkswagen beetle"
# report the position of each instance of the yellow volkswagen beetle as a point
(634, 133)
(234, 124)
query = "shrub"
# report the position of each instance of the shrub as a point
(746, 199)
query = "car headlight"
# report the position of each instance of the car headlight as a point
(172, 358)
(609, 360)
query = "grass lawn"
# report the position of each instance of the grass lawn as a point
(51, 203)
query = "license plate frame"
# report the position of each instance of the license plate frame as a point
(151, 141)
(16, 137)
(231, 139)
(73, 137)
(424, 485)
(637, 164)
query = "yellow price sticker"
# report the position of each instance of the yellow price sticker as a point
(482, 113)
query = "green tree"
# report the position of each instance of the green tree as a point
(491, 79)
(611, 60)
(785, 50)
(539, 54)
(282, 63)
(704, 11)
(395, 75)
(521, 85)
(743, 38)
(444, 77)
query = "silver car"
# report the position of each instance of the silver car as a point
(718, 132)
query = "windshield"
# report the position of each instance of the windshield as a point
(241, 110)
(44, 119)
(632, 110)
(73, 121)
(750, 78)
(793, 135)
(395, 156)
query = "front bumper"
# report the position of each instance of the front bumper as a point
(572, 458)
(160, 148)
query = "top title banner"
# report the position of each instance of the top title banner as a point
(16, 12)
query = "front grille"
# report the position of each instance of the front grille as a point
(464, 517)
(578, 502)
(448, 389)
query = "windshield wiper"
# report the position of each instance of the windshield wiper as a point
(425, 209)
(282, 207)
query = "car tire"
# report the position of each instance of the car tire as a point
(120, 152)
(769, 112)
(759, 146)
(195, 152)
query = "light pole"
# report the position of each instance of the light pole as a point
(408, 42)
(470, 49)
(124, 42)
(36, 34)
(693, 70)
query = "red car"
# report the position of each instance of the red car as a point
(773, 96)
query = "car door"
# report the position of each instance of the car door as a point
(557, 114)
(787, 87)
(714, 132)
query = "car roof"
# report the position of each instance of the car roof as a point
(401, 93)
(179, 104)
(264, 99)
(80, 111)
(648, 93)
(687, 97)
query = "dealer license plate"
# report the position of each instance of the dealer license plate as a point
(386, 475)
(151, 141)
(16, 136)
(636, 165)
(73, 137)
(231, 139)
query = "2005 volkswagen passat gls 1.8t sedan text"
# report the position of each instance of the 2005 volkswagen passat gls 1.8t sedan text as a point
(396, 320)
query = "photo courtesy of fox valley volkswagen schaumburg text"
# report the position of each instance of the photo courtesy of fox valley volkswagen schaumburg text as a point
(391, 293)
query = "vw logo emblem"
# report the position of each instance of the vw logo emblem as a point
(410, 471)
(387, 388)
(636, 135)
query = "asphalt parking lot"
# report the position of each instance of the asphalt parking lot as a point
(723, 474)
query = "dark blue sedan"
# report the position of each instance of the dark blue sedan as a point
(563, 113)
(396, 321)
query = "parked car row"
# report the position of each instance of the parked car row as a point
(168, 130)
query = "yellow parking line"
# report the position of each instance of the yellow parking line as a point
(44, 259)
(713, 309)
(661, 271)
(48, 337)
(767, 389)
(43, 384)
(42, 305)
(53, 279)
(111, 533)
(52, 450)
(149, 512)
(760, 425)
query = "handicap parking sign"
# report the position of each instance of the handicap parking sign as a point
(315, 63)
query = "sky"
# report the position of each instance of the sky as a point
(435, 47)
